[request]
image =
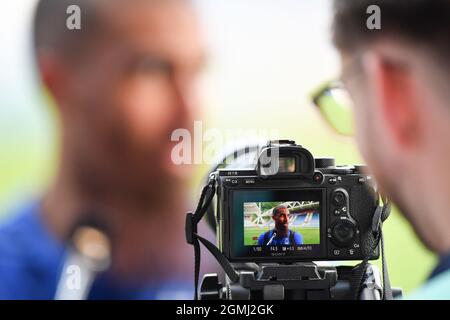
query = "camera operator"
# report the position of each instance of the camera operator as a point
(121, 85)
(399, 81)
(280, 235)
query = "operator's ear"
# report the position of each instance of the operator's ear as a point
(393, 90)
(53, 75)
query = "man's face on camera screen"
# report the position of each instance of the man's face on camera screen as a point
(281, 219)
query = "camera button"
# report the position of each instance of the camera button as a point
(318, 177)
(339, 198)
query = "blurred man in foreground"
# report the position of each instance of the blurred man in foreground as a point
(399, 79)
(121, 85)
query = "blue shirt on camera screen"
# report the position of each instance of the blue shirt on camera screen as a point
(285, 241)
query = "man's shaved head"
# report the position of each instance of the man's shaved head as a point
(279, 209)
(50, 24)
(50, 29)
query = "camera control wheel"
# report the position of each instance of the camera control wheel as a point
(343, 232)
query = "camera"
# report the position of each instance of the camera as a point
(278, 220)
(293, 207)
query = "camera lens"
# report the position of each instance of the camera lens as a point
(339, 198)
(343, 232)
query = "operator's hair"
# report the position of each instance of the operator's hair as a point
(424, 23)
(278, 209)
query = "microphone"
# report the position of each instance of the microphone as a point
(271, 239)
(89, 253)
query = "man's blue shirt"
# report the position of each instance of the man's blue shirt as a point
(442, 266)
(31, 261)
(285, 241)
(438, 285)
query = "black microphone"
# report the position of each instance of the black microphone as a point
(88, 254)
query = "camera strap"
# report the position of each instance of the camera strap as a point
(381, 213)
(192, 237)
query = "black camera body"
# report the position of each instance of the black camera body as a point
(294, 208)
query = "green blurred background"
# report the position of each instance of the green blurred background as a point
(266, 57)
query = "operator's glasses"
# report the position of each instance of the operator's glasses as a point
(335, 105)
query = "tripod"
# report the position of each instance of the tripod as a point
(301, 281)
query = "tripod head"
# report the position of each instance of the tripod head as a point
(301, 281)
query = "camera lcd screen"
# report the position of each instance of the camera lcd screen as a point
(281, 223)
(277, 223)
